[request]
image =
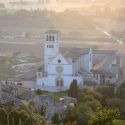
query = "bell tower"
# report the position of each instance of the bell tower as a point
(51, 46)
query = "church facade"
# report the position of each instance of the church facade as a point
(61, 66)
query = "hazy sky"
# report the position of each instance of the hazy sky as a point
(6, 1)
(58, 5)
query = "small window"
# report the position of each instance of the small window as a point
(47, 38)
(50, 46)
(97, 77)
(103, 76)
(50, 38)
(61, 83)
(43, 84)
(57, 83)
(108, 81)
(39, 74)
(53, 38)
(110, 77)
(103, 81)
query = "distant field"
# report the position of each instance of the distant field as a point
(36, 49)
(78, 36)
(80, 40)
(115, 25)
(86, 31)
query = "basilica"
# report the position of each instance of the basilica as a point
(63, 65)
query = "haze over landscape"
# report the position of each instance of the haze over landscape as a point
(83, 23)
(81, 80)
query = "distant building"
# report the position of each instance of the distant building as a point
(106, 66)
(63, 65)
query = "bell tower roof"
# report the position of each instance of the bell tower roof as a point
(52, 32)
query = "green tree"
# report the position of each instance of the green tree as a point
(23, 116)
(73, 90)
(3, 117)
(43, 110)
(80, 114)
(121, 91)
(118, 104)
(39, 92)
(87, 95)
(30, 121)
(14, 118)
(71, 123)
(118, 122)
(55, 119)
(95, 105)
(91, 99)
(24, 108)
(107, 91)
(104, 117)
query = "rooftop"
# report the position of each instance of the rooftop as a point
(104, 64)
(52, 32)
(74, 53)
(104, 51)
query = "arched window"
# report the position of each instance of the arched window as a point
(43, 83)
(50, 38)
(61, 83)
(57, 83)
(39, 74)
(53, 38)
(47, 38)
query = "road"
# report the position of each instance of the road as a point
(109, 35)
